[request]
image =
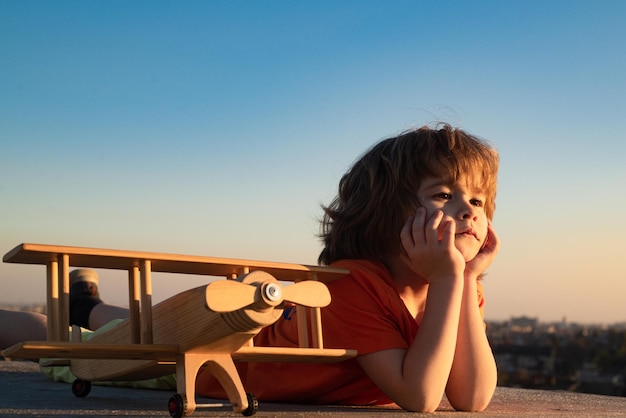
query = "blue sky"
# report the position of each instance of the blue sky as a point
(218, 128)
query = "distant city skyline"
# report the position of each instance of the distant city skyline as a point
(218, 128)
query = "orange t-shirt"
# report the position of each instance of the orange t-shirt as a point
(366, 314)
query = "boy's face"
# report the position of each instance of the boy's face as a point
(463, 203)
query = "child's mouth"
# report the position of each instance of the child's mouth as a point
(469, 234)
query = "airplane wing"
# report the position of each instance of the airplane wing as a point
(45, 349)
(169, 352)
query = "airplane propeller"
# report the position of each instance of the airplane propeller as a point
(230, 295)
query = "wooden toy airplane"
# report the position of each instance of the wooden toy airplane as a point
(209, 326)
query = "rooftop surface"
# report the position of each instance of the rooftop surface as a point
(26, 392)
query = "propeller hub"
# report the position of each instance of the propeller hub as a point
(273, 292)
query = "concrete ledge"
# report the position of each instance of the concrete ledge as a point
(26, 392)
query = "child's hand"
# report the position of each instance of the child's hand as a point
(429, 246)
(485, 256)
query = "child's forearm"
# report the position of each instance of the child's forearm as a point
(429, 360)
(473, 376)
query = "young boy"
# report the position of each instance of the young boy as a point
(412, 223)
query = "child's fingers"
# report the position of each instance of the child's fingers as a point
(492, 242)
(406, 235)
(432, 229)
(486, 255)
(418, 227)
(412, 233)
(449, 231)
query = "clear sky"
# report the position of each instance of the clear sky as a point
(219, 127)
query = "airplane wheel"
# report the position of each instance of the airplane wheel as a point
(177, 406)
(81, 388)
(253, 405)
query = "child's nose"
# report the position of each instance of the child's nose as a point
(467, 211)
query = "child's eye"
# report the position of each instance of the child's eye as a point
(477, 202)
(444, 196)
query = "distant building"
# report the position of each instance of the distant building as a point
(523, 324)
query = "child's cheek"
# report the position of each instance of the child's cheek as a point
(431, 209)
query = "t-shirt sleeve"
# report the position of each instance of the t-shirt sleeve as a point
(366, 315)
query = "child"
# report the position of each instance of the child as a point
(412, 223)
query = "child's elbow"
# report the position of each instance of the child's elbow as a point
(470, 406)
(424, 408)
(422, 405)
(470, 397)
(474, 403)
